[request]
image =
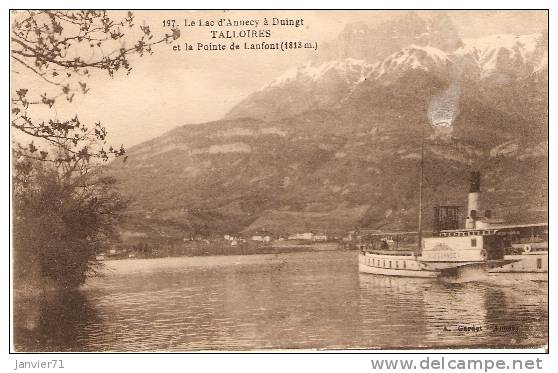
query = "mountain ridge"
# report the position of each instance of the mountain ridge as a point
(336, 145)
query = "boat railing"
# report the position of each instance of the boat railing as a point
(391, 252)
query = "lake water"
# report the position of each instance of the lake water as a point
(280, 301)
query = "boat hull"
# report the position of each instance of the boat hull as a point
(526, 263)
(363, 268)
(393, 265)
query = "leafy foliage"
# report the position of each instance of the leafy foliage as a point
(61, 222)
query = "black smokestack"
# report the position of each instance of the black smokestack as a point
(475, 182)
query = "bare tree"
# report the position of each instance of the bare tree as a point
(64, 210)
(62, 49)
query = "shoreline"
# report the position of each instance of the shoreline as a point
(220, 250)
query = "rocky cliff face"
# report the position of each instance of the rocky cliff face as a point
(488, 65)
(373, 44)
(335, 144)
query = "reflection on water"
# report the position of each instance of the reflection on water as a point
(303, 300)
(57, 321)
(501, 312)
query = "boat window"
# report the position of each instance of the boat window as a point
(390, 264)
(473, 242)
(384, 263)
(539, 263)
(397, 264)
(404, 264)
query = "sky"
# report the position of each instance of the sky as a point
(174, 88)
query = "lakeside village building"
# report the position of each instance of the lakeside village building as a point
(306, 236)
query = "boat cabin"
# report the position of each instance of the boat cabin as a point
(463, 246)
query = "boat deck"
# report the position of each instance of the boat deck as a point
(391, 252)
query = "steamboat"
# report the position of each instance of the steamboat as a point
(483, 244)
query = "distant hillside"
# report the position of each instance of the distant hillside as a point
(335, 144)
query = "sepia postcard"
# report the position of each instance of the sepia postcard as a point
(278, 180)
